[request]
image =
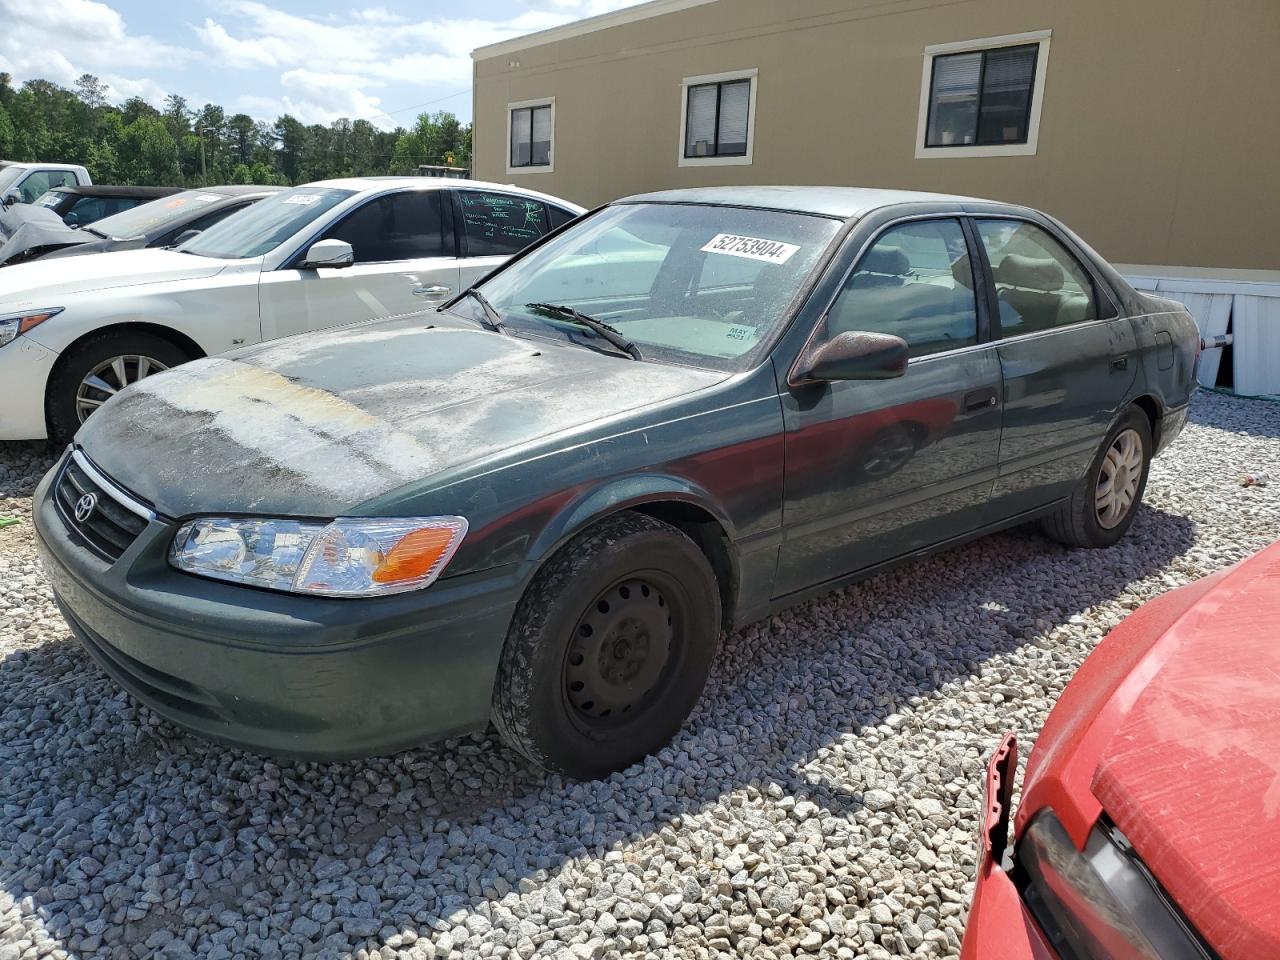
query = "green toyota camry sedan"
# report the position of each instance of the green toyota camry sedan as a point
(540, 505)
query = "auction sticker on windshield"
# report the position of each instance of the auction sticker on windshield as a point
(306, 199)
(752, 248)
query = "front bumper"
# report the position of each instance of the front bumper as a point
(1000, 926)
(278, 673)
(24, 371)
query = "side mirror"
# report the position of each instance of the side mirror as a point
(853, 356)
(183, 237)
(12, 197)
(329, 253)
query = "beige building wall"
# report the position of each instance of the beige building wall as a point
(1159, 136)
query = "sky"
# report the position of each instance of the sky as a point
(317, 60)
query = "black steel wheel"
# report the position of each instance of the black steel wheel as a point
(620, 650)
(610, 648)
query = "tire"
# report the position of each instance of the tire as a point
(62, 405)
(593, 617)
(1082, 521)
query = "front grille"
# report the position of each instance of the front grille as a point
(110, 526)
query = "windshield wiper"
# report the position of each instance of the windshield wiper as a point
(599, 327)
(492, 318)
(96, 233)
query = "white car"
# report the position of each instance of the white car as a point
(24, 182)
(320, 255)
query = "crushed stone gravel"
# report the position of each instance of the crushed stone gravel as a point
(821, 801)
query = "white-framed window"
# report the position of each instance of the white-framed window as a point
(531, 126)
(718, 118)
(982, 98)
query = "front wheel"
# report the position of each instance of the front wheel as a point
(95, 370)
(609, 649)
(1102, 506)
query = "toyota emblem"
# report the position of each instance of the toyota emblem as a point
(85, 507)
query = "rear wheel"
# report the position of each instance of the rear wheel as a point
(98, 368)
(609, 649)
(1103, 504)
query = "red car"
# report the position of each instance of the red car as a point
(1149, 825)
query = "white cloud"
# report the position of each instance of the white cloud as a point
(318, 68)
(59, 40)
(371, 49)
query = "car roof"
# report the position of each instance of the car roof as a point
(437, 183)
(842, 202)
(94, 190)
(40, 164)
(238, 189)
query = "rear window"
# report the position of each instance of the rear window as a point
(156, 214)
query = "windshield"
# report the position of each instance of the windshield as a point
(694, 284)
(9, 176)
(50, 199)
(140, 220)
(265, 225)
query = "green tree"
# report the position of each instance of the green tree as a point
(148, 154)
(92, 91)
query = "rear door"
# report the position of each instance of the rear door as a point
(405, 260)
(1067, 355)
(878, 469)
(494, 226)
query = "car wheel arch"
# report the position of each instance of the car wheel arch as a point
(670, 499)
(176, 337)
(1152, 407)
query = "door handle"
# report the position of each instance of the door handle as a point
(1120, 363)
(976, 400)
(436, 292)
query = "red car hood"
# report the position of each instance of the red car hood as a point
(1191, 770)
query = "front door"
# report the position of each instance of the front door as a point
(404, 261)
(1068, 360)
(878, 469)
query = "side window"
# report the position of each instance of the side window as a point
(90, 209)
(40, 181)
(498, 224)
(915, 282)
(399, 226)
(558, 217)
(1039, 285)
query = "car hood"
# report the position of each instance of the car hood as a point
(39, 231)
(43, 283)
(1191, 770)
(318, 424)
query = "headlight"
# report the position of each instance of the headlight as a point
(18, 323)
(352, 557)
(1100, 903)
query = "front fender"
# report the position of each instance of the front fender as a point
(622, 493)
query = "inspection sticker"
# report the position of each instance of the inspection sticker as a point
(306, 199)
(208, 197)
(752, 248)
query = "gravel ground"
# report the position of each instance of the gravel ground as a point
(821, 800)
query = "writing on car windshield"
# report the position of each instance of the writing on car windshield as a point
(265, 225)
(695, 284)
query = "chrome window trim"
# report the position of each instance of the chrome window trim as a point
(110, 489)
